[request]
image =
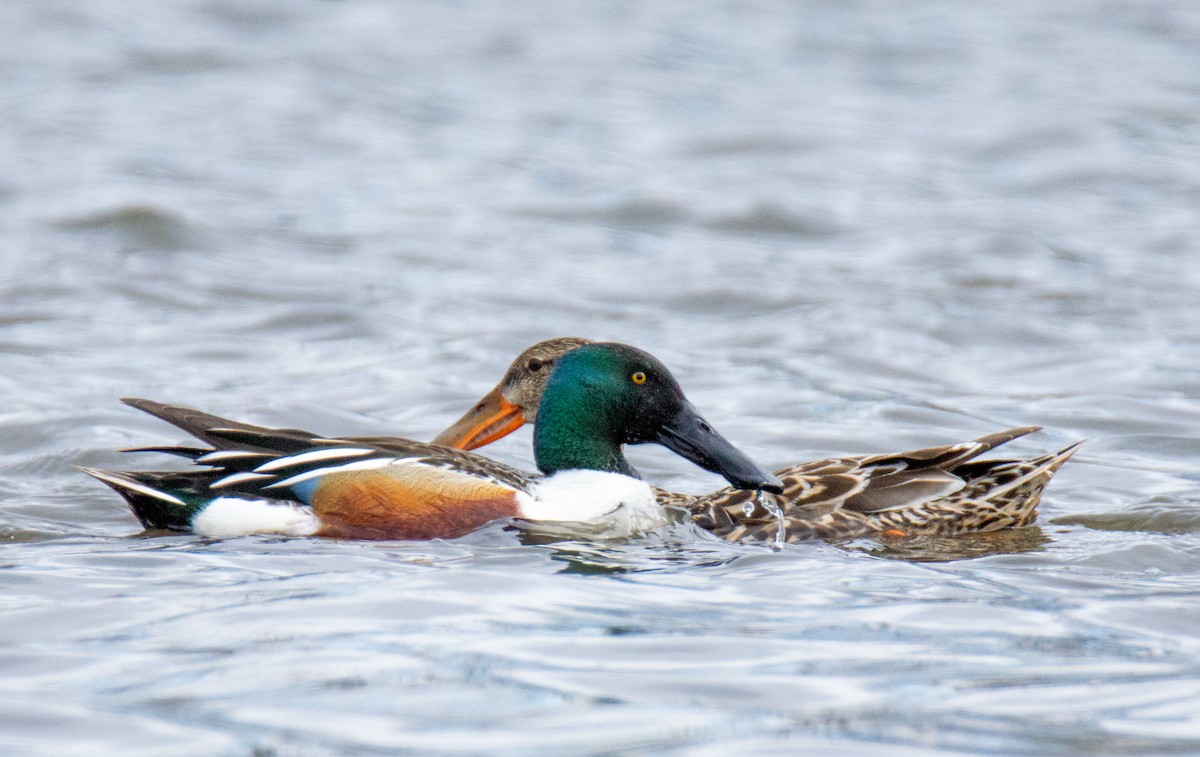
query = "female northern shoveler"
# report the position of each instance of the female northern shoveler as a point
(286, 481)
(935, 491)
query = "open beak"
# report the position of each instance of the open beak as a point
(690, 436)
(492, 418)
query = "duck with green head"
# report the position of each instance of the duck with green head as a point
(935, 491)
(597, 399)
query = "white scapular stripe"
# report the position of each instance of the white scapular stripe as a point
(226, 454)
(238, 478)
(623, 505)
(377, 462)
(231, 516)
(315, 456)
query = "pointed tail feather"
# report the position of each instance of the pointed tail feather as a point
(146, 495)
(223, 433)
(1004, 478)
(992, 441)
(1054, 460)
(950, 456)
(985, 443)
(1048, 463)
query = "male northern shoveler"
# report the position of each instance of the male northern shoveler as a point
(286, 481)
(935, 491)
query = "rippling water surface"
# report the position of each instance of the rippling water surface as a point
(848, 227)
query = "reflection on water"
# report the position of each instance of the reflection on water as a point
(670, 549)
(961, 547)
(847, 228)
(1161, 514)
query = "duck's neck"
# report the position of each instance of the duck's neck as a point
(573, 433)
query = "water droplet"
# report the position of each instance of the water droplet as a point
(748, 508)
(772, 506)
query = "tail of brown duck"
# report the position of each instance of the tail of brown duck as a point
(1054, 460)
(1014, 489)
(950, 456)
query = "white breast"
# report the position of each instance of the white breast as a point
(623, 505)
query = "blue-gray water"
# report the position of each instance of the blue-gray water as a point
(848, 228)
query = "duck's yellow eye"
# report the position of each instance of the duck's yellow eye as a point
(638, 378)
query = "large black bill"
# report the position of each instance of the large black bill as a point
(690, 436)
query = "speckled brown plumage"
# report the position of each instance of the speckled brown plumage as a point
(935, 491)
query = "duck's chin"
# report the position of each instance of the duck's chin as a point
(605, 505)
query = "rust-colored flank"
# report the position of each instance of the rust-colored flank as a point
(411, 502)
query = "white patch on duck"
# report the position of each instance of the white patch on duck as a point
(623, 505)
(234, 516)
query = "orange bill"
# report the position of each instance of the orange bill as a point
(492, 418)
